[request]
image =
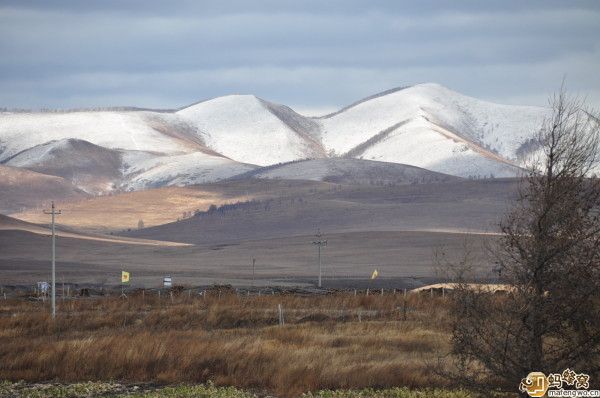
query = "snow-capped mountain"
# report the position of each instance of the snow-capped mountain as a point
(142, 131)
(251, 130)
(427, 126)
(143, 170)
(430, 126)
(90, 167)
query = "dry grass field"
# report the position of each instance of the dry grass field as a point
(154, 207)
(329, 342)
(122, 211)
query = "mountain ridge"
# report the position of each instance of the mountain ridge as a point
(426, 125)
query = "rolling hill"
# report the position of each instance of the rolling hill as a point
(251, 130)
(432, 127)
(90, 167)
(24, 189)
(123, 211)
(395, 228)
(426, 126)
(349, 171)
(456, 206)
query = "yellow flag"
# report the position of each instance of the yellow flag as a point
(124, 277)
(375, 274)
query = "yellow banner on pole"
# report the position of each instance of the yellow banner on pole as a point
(124, 277)
(375, 274)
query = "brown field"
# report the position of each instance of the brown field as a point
(154, 207)
(396, 229)
(12, 224)
(327, 342)
(161, 205)
(24, 189)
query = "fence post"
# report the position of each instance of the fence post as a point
(359, 316)
(280, 310)
(367, 291)
(382, 291)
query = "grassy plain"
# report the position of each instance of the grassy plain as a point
(337, 342)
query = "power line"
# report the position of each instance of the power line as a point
(319, 242)
(53, 212)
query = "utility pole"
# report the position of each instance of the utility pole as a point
(53, 212)
(319, 242)
(253, 267)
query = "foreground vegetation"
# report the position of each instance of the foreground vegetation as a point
(107, 390)
(327, 342)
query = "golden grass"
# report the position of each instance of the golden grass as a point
(229, 339)
(153, 206)
(164, 205)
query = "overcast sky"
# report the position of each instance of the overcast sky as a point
(314, 56)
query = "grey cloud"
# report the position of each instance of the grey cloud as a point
(309, 54)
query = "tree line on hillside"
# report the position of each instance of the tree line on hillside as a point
(247, 205)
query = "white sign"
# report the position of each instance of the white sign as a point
(167, 281)
(43, 287)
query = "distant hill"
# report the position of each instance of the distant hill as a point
(251, 130)
(349, 171)
(121, 149)
(453, 206)
(88, 166)
(22, 189)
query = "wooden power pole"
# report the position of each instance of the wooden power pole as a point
(319, 241)
(53, 212)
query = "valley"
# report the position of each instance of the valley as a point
(199, 192)
(395, 229)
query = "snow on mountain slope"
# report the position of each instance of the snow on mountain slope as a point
(143, 170)
(98, 170)
(250, 130)
(115, 130)
(352, 171)
(420, 144)
(437, 120)
(100, 151)
(426, 126)
(92, 168)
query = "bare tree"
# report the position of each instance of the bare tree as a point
(549, 253)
